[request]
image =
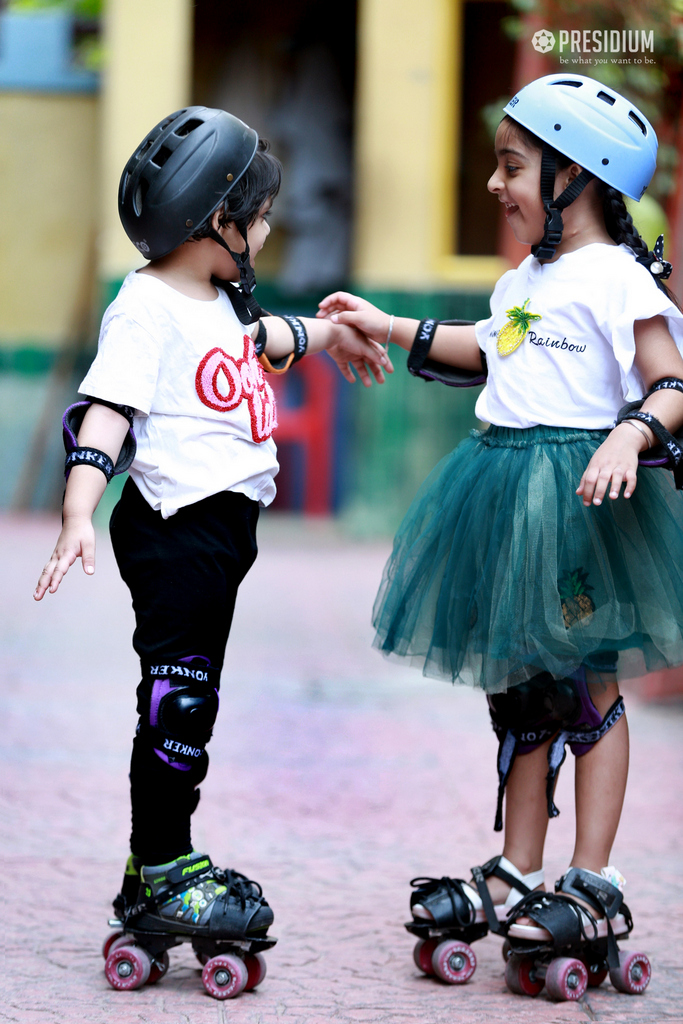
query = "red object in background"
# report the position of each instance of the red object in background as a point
(311, 425)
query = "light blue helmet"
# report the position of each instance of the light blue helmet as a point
(592, 125)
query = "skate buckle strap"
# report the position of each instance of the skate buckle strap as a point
(597, 891)
(487, 903)
(602, 895)
(447, 897)
(564, 919)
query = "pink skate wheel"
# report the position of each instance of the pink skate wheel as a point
(158, 969)
(633, 973)
(224, 976)
(422, 954)
(521, 977)
(128, 967)
(256, 970)
(454, 962)
(566, 979)
(596, 975)
(107, 944)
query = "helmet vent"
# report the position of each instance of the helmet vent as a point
(636, 120)
(139, 197)
(188, 127)
(161, 156)
(574, 84)
(607, 98)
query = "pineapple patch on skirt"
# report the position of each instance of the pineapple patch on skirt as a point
(576, 604)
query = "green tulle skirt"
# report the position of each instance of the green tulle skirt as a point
(499, 572)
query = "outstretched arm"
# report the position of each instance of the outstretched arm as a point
(102, 428)
(616, 460)
(345, 345)
(456, 346)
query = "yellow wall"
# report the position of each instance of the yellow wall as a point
(149, 44)
(48, 197)
(407, 110)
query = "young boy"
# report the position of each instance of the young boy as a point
(176, 363)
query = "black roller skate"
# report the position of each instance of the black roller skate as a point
(222, 913)
(566, 948)
(449, 915)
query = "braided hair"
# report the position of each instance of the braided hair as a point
(621, 228)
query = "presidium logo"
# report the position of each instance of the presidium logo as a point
(543, 41)
(614, 45)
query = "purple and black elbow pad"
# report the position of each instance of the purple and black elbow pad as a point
(420, 365)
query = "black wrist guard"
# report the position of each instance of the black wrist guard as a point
(89, 457)
(299, 334)
(669, 452)
(261, 339)
(71, 424)
(420, 365)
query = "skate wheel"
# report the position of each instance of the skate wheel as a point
(256, 970)
(454, 962)
(422, 954)
(596, 974)
(521, 977)
(506, 950)
(633, 973)
(224, 976)
(566, 979)
(127, 967)
(109, 941)
(158, 969)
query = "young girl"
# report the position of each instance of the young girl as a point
(511, 572)
(176, 362)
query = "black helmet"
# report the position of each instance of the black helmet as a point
(179, 174)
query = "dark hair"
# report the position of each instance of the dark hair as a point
(618, 220)
(261, 181)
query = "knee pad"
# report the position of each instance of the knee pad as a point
(545, 708)
(178, 703)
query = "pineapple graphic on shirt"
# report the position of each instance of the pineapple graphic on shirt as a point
(576, 604)
(512, 334)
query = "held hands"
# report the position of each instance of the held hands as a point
(615, 462)
(349, 348)
(344, 308)
(77, 538)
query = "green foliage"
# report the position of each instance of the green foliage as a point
(81, 8)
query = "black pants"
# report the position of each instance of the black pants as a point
(183, 574)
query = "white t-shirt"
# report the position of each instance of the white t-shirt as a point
(204, 411)
(575, 366)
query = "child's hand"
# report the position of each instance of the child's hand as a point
(77, 538)
(349, 348)
(615, 462)
(344, 308)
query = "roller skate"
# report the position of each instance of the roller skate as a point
(449, 915)
(221, 913)
(567, 948)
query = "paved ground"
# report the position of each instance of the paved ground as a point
(335, 778)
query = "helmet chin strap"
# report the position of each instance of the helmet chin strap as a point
(245, 305)
(552, 235)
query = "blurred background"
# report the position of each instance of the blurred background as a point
(383, 114)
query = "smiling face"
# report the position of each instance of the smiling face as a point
(517, 183)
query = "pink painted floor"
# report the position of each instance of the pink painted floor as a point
(335, 777)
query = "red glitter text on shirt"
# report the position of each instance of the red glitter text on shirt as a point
(222, 382)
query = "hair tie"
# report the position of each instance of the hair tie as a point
(655, 262)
